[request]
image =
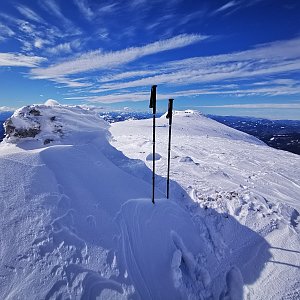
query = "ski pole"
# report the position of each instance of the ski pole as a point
(169, 116)
(153, 106)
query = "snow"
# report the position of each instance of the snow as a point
(157, 156)
(242, 192)
(77, 221)
(51, 102)
(58, 204)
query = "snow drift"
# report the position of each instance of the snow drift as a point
(77, 220)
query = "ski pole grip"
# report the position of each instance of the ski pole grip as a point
(170, 111)
(153, 98)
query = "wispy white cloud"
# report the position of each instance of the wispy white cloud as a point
(209, 74)
(103, 34)
(240, 92)
(231, 90)
(186, 18)
(29, 14)
(108, 8)
(6, 108)
(268, 59)
(26, 33)
(226, 6)
(136, 3)
(20, 60)
(31, 36)
(258, 63)
(64, 48)
(257, 106)
(5, 32)
(97, 60)
(40, 43)
(6, 17)
(144, 95)
(278, 81)
(52, 7)
(73, 83)
(26, 27)
(84, 8)
(34, 36)
(113, 98)
(61, 48)
(233, 6)
(161, 21)
(126, 75)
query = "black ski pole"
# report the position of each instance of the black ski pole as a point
(153, 105)
(169, 116)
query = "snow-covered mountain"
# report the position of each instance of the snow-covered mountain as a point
(77, 221)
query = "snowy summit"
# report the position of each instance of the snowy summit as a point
(77, 220)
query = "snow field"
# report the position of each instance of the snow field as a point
(77, 220)
(243, 193)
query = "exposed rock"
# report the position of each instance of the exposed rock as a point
(58, 130)
(8, 127)
(47, 141)
(43, 124)
(12, 130)
(35, 112)
(30, 132)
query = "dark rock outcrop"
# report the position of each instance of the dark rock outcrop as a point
(11, 130)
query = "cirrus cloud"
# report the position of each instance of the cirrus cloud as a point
(97, 60)
(19, 60)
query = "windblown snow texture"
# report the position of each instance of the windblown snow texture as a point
(77, 220)
(243, 196)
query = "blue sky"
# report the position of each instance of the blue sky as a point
(224, 57)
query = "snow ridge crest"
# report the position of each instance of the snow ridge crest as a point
(50, 123)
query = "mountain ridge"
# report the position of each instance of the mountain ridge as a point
(78, 220)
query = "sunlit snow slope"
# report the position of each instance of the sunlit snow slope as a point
(77, 222)
(242, 195)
